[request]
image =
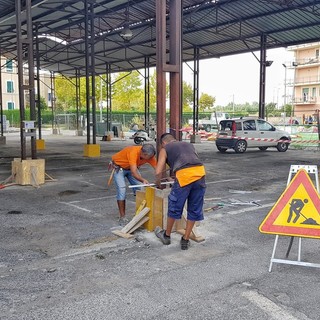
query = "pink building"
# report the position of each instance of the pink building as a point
(306, 81)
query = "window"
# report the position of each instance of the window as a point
(249, 125)
(264, 126)
(305, 94)
(10, 105)
(314, 92)
(317, 53)
(9, 65)
(49, 96)
(238, 126)
(226, 125)
(10, 86)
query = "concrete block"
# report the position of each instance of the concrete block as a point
(40, 144)
(195, 138)
(91, 150)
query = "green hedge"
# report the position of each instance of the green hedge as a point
(125, 118)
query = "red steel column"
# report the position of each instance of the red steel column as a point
(174, 67)
(161, 75)
(175, 35)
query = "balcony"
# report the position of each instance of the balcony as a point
(305, 100)
(300, 81)
(305, 62)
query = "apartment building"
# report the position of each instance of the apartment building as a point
(10, 85)
(306, 81)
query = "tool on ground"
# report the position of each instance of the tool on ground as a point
(218, 206)
(238, 191)
(6, 183)
(245, 203)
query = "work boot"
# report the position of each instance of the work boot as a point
(123, 221)
(161, 234)
(185, 244)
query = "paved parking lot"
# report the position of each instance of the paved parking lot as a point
(60, 260)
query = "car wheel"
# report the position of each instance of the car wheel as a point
(241, 146)
(263, 148)
(283, 146)
(222, 150)
(208, 128)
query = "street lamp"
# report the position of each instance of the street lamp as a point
(269, 63)
(285, 85)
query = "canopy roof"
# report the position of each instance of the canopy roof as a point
(217, 27)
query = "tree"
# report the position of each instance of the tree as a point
(153, 91)
(270, 109)
(65, 93)
(206, 102)
(127, 92)
(288, 110)
(187, 97)
(43, 103)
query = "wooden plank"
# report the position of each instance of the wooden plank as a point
(165, 212)
(192, 235)
(135, 220)
(50, 178)
(122, 234)
(139, 224)
(157, 212)
(150, 191)
(142, 205)
(140, 196)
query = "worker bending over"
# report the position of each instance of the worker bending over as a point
(189, 185)
(126, 164)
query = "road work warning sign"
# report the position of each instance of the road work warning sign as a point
(296, 213)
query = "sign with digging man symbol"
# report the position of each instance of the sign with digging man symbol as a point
(296, 213)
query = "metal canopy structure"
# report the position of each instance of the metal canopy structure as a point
(216, 28)
(89, 37)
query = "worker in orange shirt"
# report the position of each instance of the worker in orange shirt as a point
(126, 165)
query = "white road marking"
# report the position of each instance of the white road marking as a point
(268, 306)
(251, 208)
(221, 181)
(90, 184)
(91, 199)
(72, 205)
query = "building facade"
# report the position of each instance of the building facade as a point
(10, 85)
(306, 81)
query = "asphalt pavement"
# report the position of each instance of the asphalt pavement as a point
(60, 260)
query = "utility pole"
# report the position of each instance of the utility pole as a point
(285, 85)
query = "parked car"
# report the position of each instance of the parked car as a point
(249, 132)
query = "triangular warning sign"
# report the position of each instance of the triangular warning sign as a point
(296, 213)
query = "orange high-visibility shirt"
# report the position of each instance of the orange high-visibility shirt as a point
(131, 156)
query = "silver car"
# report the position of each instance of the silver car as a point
(250, 132)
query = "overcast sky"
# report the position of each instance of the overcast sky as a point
(236, 78)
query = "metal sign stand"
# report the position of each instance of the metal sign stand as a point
(293, 170)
